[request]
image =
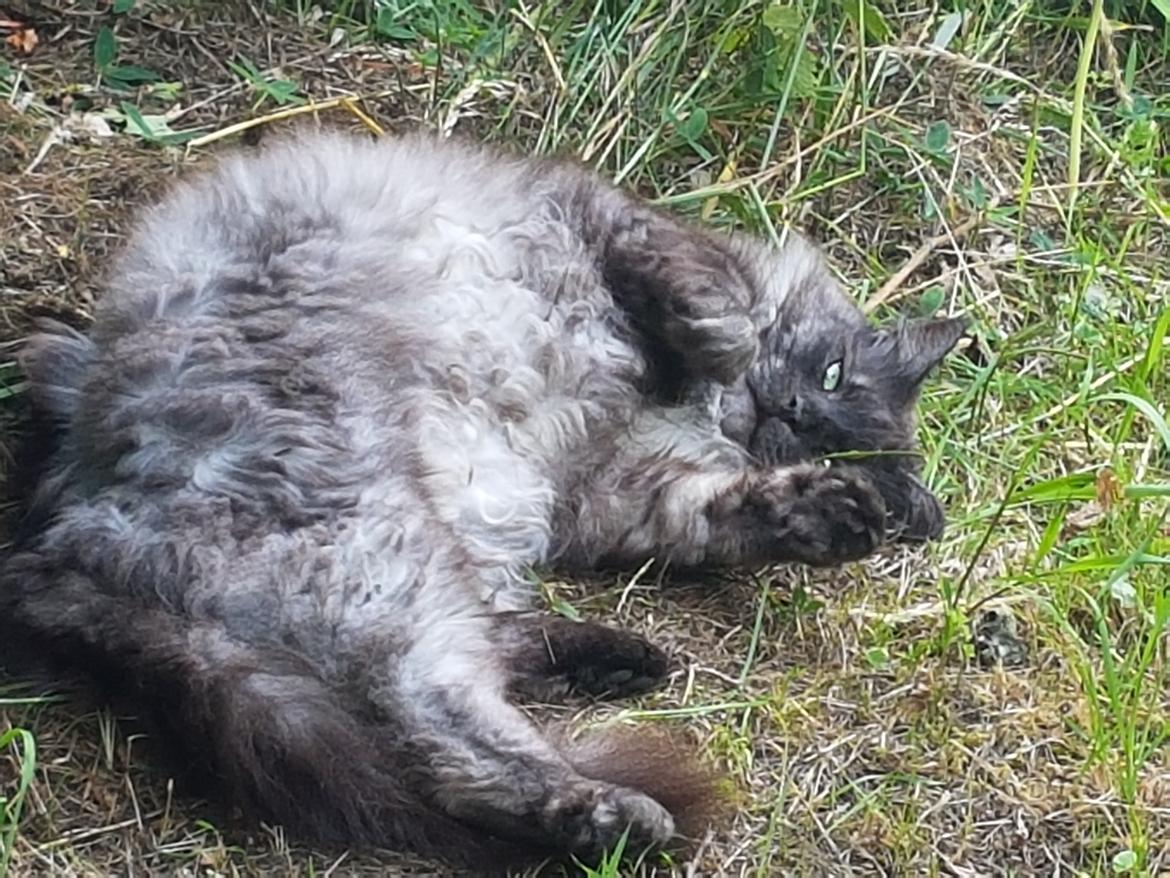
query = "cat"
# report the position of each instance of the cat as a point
(338, 400)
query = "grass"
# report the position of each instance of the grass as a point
(1007, 159)
(23, 745)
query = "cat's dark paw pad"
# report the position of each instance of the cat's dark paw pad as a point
(554, 656)
(823, 516)
(627, 666)
(592, 819)
(602, 660)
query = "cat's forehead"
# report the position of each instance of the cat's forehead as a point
(815, 321)
(801, 290)
(818, 300)
(807, 344)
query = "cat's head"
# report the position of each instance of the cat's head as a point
(826, 381)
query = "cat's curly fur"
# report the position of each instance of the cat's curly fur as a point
(341, 395)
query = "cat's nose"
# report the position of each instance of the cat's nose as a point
(793, 410)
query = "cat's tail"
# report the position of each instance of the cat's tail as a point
(252, 725)
(661, 763)
(257, 726)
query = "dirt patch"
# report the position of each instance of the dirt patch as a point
(862, 737)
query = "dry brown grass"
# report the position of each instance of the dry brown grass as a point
(849, 706)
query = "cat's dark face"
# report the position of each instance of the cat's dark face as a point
(827, 382)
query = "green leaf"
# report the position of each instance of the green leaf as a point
(563, 608)
(153, 128)
(930, 209)
(877, 656)
(931, 301)
(1075, 486)
(938, 135)
(780, 59)
(1156, 418)
(1157, 340)
(121, 6)
(693, 127)
(166, 91)
(1041, 240)
(734, 40)
(136, 123)
(283, 92)
(976, 194)
(245, 69)
(1124, 861)
(11, 806)
(783, 20)
(804, 80)
(869, 20)
(131, 73)
(386, 25)
(947, 30)
(1163, 6)
(1050, 536)
(105, 48)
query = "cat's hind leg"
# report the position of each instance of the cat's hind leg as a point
(549, 656)
(484, 762)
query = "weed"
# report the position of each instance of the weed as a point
(1001, 158)
(23, 749)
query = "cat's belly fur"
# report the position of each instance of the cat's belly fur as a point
(521, 374)
(430, 376)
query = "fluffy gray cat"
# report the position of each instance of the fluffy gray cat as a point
(341, 396)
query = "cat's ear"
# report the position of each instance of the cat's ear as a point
(920, 345)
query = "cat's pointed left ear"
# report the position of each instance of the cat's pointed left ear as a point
(922, 344)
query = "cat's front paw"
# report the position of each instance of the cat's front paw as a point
(721, 347)
(707, 324)
(915, 513)
(917, 516)
(822, 516)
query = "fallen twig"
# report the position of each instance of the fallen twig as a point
(891, 287)
(346, 102)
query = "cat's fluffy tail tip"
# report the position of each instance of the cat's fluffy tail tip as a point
(664, 765)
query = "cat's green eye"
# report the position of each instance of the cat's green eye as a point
(832, 377)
